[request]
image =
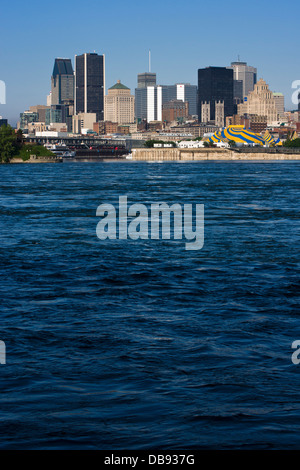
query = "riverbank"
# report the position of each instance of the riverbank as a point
(37, 159)
(176, 154)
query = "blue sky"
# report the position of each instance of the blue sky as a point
(182, 36)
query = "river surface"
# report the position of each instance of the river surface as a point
(141, 344)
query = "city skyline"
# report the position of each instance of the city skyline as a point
(125, 41)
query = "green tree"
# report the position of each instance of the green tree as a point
(292, 143)
(8, 143)
(150, 143)
(208, 144)
(19, 139)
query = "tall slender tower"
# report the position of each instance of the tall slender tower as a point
(90, 84)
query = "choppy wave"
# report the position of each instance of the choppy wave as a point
(142, 344)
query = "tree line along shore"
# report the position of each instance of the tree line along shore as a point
(13, 146)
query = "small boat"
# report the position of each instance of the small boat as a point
(61, 150)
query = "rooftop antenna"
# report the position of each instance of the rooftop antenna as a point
(149, 61)
(239, 58)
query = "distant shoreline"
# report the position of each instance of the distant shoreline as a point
(215, 154)
(163, 155)
(215, 160)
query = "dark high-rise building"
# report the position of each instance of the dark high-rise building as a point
(90, 84)
(238, 91)
(146, 79)
(215, 84)
(62, 82)
(237, 94)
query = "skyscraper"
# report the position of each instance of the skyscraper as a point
(184, 92)
(149, 98)
(279, 102)
(119, 104)
(246, 73)
(146, 79)
(215, 84)
(62, 82)
(90, 84)
(149, 101)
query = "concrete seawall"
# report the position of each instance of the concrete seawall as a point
(176, 154)
(37, 159)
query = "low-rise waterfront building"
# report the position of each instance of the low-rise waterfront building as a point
(258, 124)
(279, 103)
(254, 122)
(194, 129)
(105, 127)
(34, 127)
(190, 144)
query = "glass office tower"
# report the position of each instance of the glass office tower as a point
(90, 84)
(62, 82)
(215, 84)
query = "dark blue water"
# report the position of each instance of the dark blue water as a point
(142, 344)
